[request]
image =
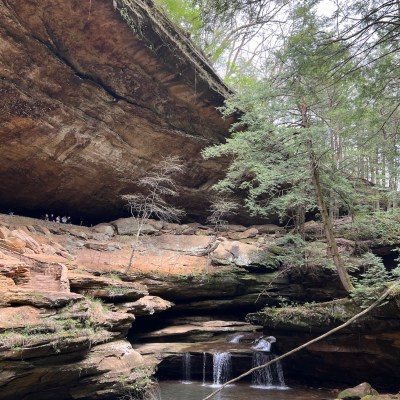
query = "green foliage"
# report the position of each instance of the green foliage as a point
(78, 322)
(184, 13)
(299, 256)
(373, 281)
(283, 118)
(142, 387)
(305, 316)
(383, 226)
(221, 207)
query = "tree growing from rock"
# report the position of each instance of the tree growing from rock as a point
(157, 189)
(221, 208)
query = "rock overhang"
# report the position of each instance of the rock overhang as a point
(91, 101)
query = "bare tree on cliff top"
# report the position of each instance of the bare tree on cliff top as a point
(158, 186)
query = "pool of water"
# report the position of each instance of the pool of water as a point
(173, 390)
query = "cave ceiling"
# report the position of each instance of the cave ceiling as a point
(91, 101)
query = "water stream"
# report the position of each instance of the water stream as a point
(222, 367)
(186, 368)
(173, 390)
(270, 376)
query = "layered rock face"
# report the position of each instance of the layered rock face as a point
(58, 344)
(68, 301)
(90, 102)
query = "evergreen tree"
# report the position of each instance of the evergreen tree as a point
(282, 157)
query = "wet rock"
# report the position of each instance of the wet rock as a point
(177, 288)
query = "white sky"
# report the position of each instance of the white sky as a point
(326, 8)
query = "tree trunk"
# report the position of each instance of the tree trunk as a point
(326, 220)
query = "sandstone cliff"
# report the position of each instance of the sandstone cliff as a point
(67, 307)
(90, 100)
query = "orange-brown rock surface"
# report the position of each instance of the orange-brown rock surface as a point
(89, 104)
(68, 302)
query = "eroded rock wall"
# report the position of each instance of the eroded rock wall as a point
(88, 106)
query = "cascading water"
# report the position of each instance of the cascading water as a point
(262, 345)
(270, 376)
(186, 368)
(236, 339)
(222, 367)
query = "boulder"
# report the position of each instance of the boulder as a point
(358, 392)
(78, 233)
(232, 228)
(241, 254)
(188, 244)
(176, 229)
(130, 226)
(156, 224)
(269, 228)
(313, 230)
(104, 229)
(248, 233)
(147, 305)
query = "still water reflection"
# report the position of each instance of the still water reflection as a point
(173, 390)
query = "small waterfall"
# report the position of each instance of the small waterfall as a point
(204, 367)
(222, 367)
(186, 368)
(262, 345)
(236, 339)
(270, 376)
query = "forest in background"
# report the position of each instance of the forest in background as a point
(317, 99)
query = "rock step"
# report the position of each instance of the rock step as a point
(46, 280)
